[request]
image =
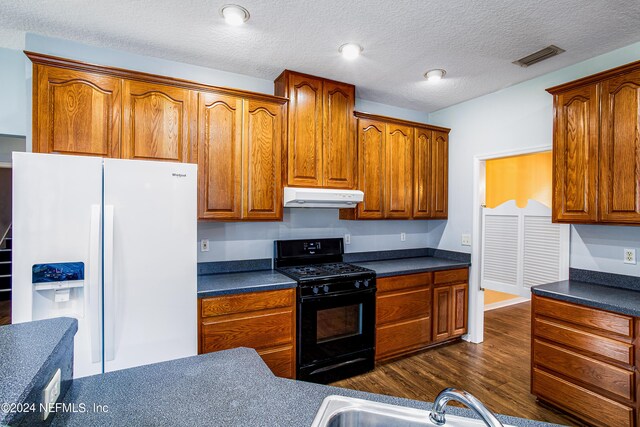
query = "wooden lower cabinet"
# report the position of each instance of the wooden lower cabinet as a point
(415, 311)
(584, 361)
(264, 321)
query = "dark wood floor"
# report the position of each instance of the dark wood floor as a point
(496, 371)
(5, 312)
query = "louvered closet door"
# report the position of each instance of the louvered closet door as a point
(521, 248)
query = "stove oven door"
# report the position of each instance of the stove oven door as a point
(336, 335)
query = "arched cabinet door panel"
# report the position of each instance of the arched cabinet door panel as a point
(219, 156)
(620, 149)
(156, 122)
(76, 112)
(262, 179)
(371, 168)
(575, 153)
(399, 179)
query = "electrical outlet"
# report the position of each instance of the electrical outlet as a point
(466, 240)
(347, 239)
(51, 393)
(403, 237)
(629, 256)
(204, 245)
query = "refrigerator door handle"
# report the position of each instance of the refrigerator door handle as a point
(93, 288)
(109, 288)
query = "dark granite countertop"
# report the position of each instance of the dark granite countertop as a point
(227, 388)
(624, 301)
(26, 352)
(394, 267)
(237, 283)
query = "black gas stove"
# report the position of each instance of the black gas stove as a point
(336, 309)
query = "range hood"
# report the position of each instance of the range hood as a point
(321, 198)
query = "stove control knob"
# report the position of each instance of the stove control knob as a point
(315, 290)
(358, 283)
(366, 283)
(326, 288)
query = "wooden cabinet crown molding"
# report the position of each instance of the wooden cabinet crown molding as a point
(595, 78)
(70, 64)
(397, 121)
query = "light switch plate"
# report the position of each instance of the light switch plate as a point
(51, 392)
(629, 256)
(466, 240)
(204, 245)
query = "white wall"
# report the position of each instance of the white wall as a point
(228, 241)
(516, 118)
(13, 93)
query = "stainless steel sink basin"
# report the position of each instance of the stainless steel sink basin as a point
(340, 411)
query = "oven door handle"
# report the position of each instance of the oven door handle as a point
(340, 295)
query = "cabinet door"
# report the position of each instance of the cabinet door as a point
(371, 149)
(442, 313)
(399, 176)
(304, 150)
(620, 150)
(440, 171)
(459, 309)
(76, 112)
(422, 173)
(261, 164)
(156, 122)
(339, 150)
(219, 156)
(575, 155)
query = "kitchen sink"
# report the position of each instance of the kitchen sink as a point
(341, 411)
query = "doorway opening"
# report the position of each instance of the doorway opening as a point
(515, 245)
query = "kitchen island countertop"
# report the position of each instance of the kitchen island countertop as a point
(227, 388)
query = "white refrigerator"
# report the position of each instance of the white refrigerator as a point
(111, 243)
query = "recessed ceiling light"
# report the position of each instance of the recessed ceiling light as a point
(234, 14)
(350, 50)
(435, 75)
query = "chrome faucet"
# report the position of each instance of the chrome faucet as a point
(437, 413)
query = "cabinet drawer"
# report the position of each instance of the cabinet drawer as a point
(594, 372)
(394, 307)
(406, 281)
(583, 403)
(582, 340)
(240, 303)
(280, 360)
(259, 332)
(585, 316)
(451, 276)
(398, 338)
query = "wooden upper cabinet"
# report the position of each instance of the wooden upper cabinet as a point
(399, 167)
(440, 171)
(620, 149)
(76, 112)
(219, 156)
(422, 173)
(262, 179)
(340, 145)
(371, 168)
(156, 122)
(575, 155)
(304, 158)
(321, 148)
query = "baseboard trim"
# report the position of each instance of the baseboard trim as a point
(506, 303)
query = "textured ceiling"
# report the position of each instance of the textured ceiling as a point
(474, 40)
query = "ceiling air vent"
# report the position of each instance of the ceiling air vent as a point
(538, 56)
